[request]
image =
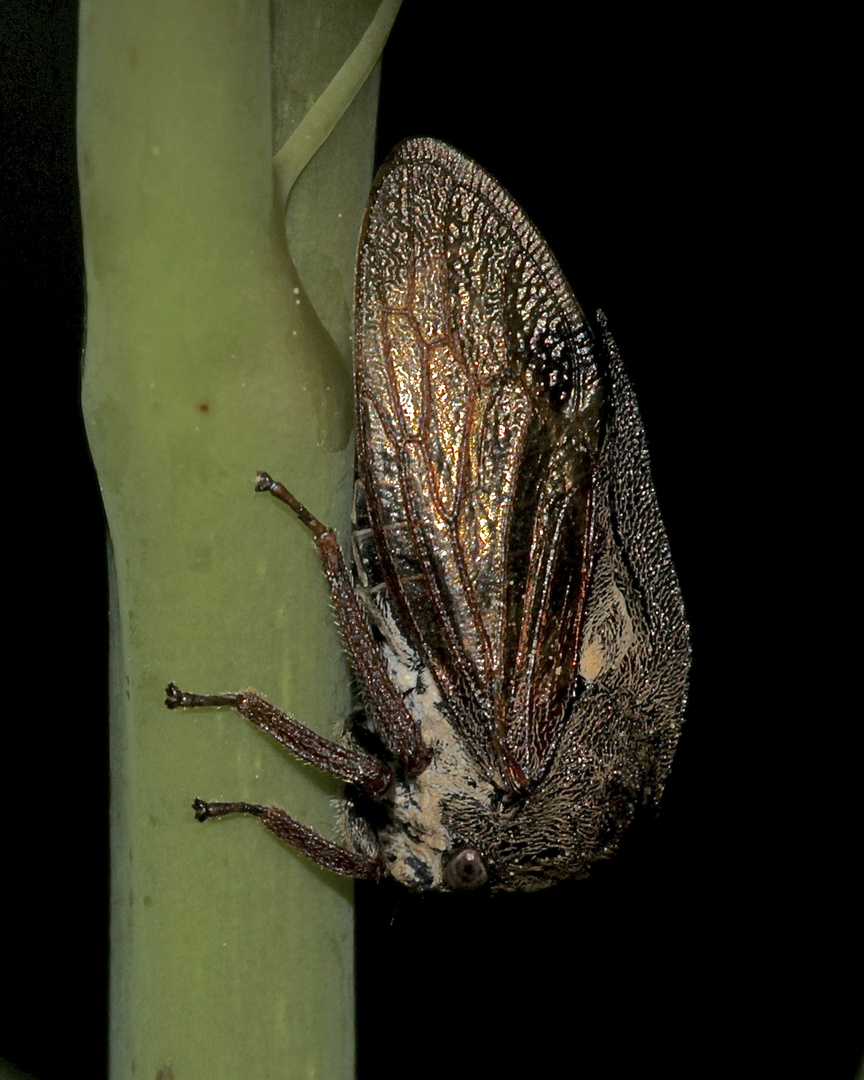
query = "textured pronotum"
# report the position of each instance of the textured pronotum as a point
(514, 617)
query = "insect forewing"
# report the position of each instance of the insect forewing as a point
(479, 412)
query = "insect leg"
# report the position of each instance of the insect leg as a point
(324, 852)
(398, 728)
(347, 763)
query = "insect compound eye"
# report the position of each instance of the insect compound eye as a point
(465, 870)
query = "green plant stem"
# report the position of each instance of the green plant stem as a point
(231, 956)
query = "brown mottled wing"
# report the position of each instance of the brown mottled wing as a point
(478, 409)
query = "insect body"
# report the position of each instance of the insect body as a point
(514, 619)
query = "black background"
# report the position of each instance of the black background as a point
(676, 163)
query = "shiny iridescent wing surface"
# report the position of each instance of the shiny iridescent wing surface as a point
(479, 409)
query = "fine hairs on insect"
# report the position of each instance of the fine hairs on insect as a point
(513, 616)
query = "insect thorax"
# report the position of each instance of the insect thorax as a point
(427, 820)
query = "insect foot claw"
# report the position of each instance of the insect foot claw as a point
(174, 696)
(204, 810)
(180, 699)
(280, 492)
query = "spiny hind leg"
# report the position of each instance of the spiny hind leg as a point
(347, 763)
(399, 730)
(318, 848)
